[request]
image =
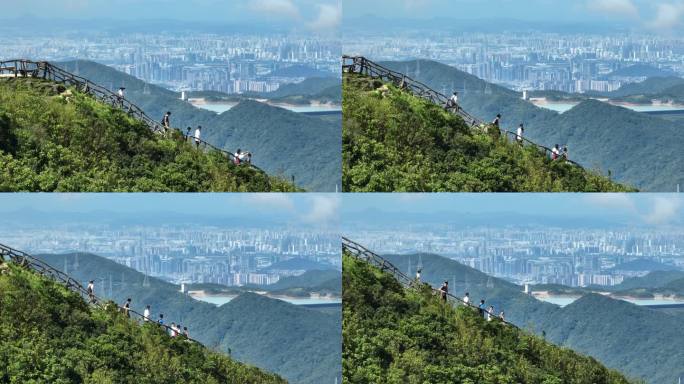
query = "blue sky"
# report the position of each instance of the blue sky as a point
(652, 14)
(313, 14)
(646, 209)
(311, 209)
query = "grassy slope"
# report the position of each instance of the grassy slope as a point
(640, 150)
(398, 142)
(50, 144)
(283, 142)
(49, 334)
(250, 325)
(392, 335)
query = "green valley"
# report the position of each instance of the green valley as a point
(55, 139)
(48, 334)
(394, 141)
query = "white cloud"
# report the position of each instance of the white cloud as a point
(324, 210)
(664, 210)
(270, 201)
(329, 17)
(621, 8)
(285, 8)
(668, 16)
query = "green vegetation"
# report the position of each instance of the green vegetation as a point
(637, 149)
(393, 335)
(251, 327)
(283, 143)
(48, 334)
(619, 334)
(393, 141)
(57, 139)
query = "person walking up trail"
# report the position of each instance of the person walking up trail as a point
(555, 152)
(466, 298)
(444, 291)
(91, 291)
(481, 308)
(127, 308)
(198, 135)
(519, 134)
(161, 319)
(166, 121)
(490, 313)
(146, 314)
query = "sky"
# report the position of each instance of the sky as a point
(646, 14)
(319, 210)
(317, 15)
(640, 209)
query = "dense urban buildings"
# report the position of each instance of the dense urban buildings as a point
(193, 254)
(577, 62)
(231, 63)
(548, 255)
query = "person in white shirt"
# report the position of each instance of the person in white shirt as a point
(453, 101)
(466, 298)
(146, 314)
(120, 94)
(418, 274)
(91, 291)
(555, 152)
(519, 135)
(198, 133)
(490, 313)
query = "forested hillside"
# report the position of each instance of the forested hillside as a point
(283, 143)
(394, 141)
(58, 139)
(637, 149)
(393, 335)
(49, 334)
(251, 327)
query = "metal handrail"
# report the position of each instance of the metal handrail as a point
(362, 253)
(363, 66)
(25, 260)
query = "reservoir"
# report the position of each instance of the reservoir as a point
(566, 300)
(562, 107)
(303, 301)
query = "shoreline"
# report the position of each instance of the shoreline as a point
(314, 103)
(539, 102)
(205, 295)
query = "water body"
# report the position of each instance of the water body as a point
(223, 107)
(564, 107)
(220, 300)
(566, 300)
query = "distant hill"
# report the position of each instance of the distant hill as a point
(308, 87)
(51, 335)
(250, 326)
(639, 150)
(625, 330)
(395, 335)
(300, 71)
(394, 141)
(282, 142)
(640, 70)
(648, 86)
(652, 280)
(289, 143)
(644, 265)
(58, 140)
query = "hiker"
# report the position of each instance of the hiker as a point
(565, 153)
(490, 313)
(237, 158)
(497, 120)
(481, 308)
(166, 121)
(172, 331)
(161, 319)
(91, 291)
(185, 332)
(466, 298)
(502, 317)
(452, 103)
(444, 291)
(198, 133)
(555, 152)
(120, 95)
(418, 271)
(519, 135)
(146, 314)
(127, 308)
(187, 134)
